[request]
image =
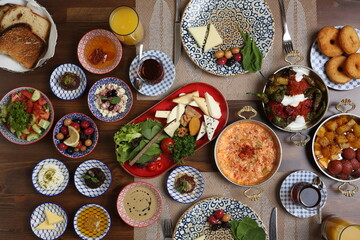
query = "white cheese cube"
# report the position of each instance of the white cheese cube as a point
(162, 114)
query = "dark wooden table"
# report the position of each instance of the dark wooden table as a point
(73, 19)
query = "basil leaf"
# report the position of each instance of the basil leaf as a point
(115, 100)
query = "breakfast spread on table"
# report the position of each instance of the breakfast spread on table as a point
(247, 153)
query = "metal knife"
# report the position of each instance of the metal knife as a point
(273, 224)
(177, 38)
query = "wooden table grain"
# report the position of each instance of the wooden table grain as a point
(73, 19)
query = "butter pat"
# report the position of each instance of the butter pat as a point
(52, 218)
(213, 38)
(198, 33)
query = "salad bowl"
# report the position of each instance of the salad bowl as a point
(26, 115)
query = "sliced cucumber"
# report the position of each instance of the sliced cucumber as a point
(25, 131)
(35, 96)
(36, 128)
(12, 130)
(44, 123)
(32, 136)
(18, 134)
(33, 119)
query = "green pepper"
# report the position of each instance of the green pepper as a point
(262, 96)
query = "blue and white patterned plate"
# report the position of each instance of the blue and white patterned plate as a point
(91, 99)
(80, 183)
(58, 189)
(193, 223)
(94, 138)
(4, 130)
(186, 197)
(38, 216)
(293, 208)
(58, 90)
(98, 211)
(318, 61)
(253, 17)
(165, 84)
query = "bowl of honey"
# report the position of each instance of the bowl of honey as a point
(99, 51)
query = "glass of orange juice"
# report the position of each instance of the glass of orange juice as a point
(337, 228)
(125, 23)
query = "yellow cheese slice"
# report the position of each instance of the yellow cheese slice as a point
(186, 98)
(213, 38)
(52, 218)
(201, 102)
(198, 33)
(45, 226)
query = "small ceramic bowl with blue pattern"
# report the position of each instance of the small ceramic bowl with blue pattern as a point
(110, 99)
(166, 82)
(100, 222)
(50, 177)
(175, 192)
(38, 217)
(87, 141)
(39, 109)
(55, 79)
(80, 175)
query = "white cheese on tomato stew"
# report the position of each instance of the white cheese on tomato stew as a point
(293, 101)
(298, 124)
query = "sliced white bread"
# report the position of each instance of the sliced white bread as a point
(3, 10)
(21, 14)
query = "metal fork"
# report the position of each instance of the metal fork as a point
(168, 229)
(287, 43)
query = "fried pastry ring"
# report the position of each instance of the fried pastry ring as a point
(335, 70)
(349, 39)
(328, 41)
(352, 65)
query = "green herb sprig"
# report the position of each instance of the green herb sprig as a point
(252, 57)
(93, 179)
(112, 100)
(247, 229)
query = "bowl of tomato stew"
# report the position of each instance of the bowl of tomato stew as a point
(295, 99)
(26, 115)
(248, 152)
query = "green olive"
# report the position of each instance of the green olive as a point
(59, 136)
(67, 122)
(228, 54)
(219, 54)
(235, 50)
(226, 218)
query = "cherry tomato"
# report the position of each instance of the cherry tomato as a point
(89, 131)
(84, 124)
(75, 125)
(167, 145)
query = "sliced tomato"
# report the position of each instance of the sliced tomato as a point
(45, 115)
(152, 167)
(29, 107)
(14, 97)
(37, 106)
(23, 136)
(26, 93)
(167, 145)
(41, 101)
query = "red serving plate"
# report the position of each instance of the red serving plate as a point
(167, 104)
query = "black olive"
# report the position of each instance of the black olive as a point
(113, 93)
(230, 62)
(226, 225)
(108, 94)
(70, 150)
(111, 107)
(215, 227)
(77, 121)
(83, 136)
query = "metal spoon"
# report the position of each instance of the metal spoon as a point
(317, 181)
(138, 81)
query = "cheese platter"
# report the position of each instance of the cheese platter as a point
(196, 112)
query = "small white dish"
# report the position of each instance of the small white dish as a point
(38, 216)
(185, 197)
(57, 190)
(104, 225)
(67, 94)
(165, 84)
(80, 183)
(293, 208)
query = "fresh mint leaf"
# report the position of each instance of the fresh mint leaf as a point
(252, 57)
(255, 234)
(115, 100)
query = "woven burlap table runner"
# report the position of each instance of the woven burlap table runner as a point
(289, 227)
(157, 17)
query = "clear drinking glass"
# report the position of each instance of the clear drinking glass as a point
(337, 228)
(125, 23)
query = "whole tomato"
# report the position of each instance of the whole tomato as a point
(167, 145)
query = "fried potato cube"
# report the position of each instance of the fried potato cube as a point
(330, 136)
(341, 139)
(331, 125)
(334, 157)
(324, 141)
(321, 132)
(343, 129)
(317, 146)
(324, 162)
(355, 144)
(326, 151)
(350, 137)
(344, 145)
(335, 149)
(356, 128)
(351, 123)
(342, 120)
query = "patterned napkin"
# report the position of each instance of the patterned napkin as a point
(289, 227)
(157, 17)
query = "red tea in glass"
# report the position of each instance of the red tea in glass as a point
(151, 70)
(305, 194)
